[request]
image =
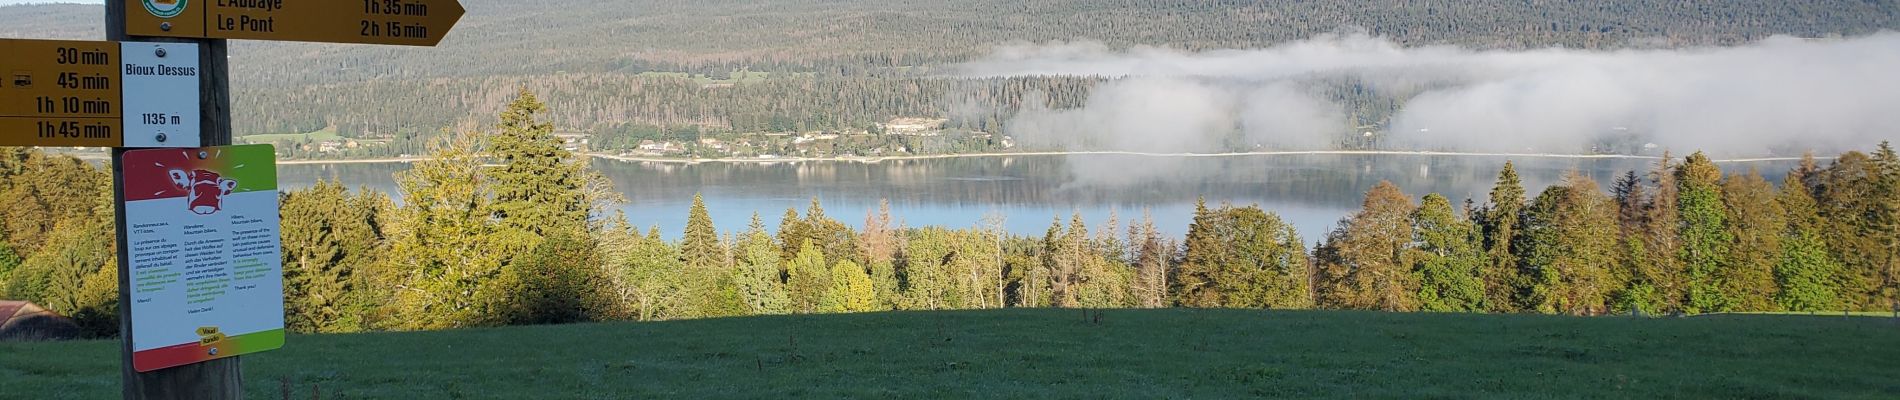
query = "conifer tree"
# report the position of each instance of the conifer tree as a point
(833, 238)
(1885, 224)
(1635, 275)
(1151, 258)
(700, 244)
(539, 185)
(879, 237)
(1537, 249)
(808, 280)
(1662, 238)
(66, 275)
(758, 273)
(329, 238)
(1705, 235)
(444, 247)
(1807, 277)
(861, 294)
(791, 234)
(1757, 223)
(1094, 283)
(1500, 225)
(1193, 285)
(559, 282)
(1846, 194)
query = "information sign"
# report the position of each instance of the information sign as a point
(206, 277)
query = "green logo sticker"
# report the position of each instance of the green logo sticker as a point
(165, 8)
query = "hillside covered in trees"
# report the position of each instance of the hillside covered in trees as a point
(505, 227)
(620, 69)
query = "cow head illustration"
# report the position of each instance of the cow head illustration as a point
(205, 190)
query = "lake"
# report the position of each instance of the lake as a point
(1311, 191)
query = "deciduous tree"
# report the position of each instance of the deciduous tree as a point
(1448, 258)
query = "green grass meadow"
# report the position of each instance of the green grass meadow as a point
(1046, 353)
(317, 136)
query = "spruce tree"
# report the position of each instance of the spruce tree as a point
(757, 277)
(64, 276)
(700, 244)
(879, 236)
(539, 186)
(1151, 259)
(1662, 238)
(1846, 194)
(1635, 275)
(791, 234)
(329, 238)
(1757, 223)
(1536, 250)
(1705, 235)
(1501, 228)
(559, 282)
(833, 238)
(1885, 222)
(1807, 277)
(861, 293)
(808, 280)
(1194, 284)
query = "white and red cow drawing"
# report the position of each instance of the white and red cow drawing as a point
(205, 190)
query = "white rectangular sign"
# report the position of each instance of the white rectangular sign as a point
(204, 256)
(160, 94)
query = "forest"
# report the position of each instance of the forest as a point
(842, 66)
(502, 227)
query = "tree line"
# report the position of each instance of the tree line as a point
(845, 66)
(505, 227)
(870, 36)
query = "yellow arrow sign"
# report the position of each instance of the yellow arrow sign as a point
(59, 93)
(397, 22)
(67, 93)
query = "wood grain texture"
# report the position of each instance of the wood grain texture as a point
(211, 380)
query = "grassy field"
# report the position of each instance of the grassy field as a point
(1058, 354)
(738, 77)
(321, 135)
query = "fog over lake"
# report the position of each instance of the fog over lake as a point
(1311, 191)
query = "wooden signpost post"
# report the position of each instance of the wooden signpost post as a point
(204, 232)
(199, 268)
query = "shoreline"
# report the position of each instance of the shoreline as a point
(872, 160)
(405, 160)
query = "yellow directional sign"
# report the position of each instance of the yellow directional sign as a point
(397, 22)
(59, 93)
(64, 93)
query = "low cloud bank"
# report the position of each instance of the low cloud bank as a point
(1776, 96)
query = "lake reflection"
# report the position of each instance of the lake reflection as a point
(1311, 191)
